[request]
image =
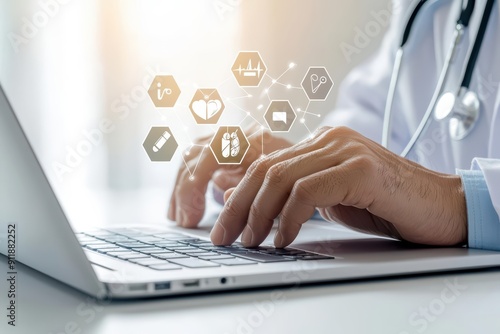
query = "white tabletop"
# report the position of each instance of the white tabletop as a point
(424, 304)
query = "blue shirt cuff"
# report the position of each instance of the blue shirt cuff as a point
(483, 221)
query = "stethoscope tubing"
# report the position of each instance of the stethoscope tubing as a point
(461, 25)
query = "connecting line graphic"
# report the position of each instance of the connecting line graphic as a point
(187, 153)
(276, 81)
(261, 130)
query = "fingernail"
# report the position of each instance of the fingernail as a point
(217, 234)
(278, 240)
(246, 237)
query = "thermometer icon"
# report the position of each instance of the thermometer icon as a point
(161, 141)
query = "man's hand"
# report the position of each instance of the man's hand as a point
(187, 203)
(351, 180)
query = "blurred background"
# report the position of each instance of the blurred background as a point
(77, 73)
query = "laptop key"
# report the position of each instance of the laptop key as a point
(192, 251)
(193, 263)
(314, 257)
(150, 261)
(183, 249)
(117, 238)
(264, 258)
(99, 233)
(149, 249)
(114, 250)
(148, 239)
(129, 256)
(133, 245)
(168, 256)
(214, 256)
(234, 262)
(225, 250)
(199, 255)
(168, 244)
(103, 246)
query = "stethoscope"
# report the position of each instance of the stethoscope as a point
(460, 108)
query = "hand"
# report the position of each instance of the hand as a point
(351, 180)
(187, 203)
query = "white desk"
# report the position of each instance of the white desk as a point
(377, 306)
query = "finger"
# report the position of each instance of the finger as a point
(323, 189)
(234, 215)
(227, 178)
(228, 193)
(275, 190)
(193, 154)
(222, 180)
(191, 188)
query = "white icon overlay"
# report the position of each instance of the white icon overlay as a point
(161, 141)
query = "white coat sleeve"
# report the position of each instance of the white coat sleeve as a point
(482, 194)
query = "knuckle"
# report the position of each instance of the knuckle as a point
(340, 131)
(363, 162)
(301, 192)
(232, 208)
(258, 169)
(255, 212)
(276, 174)
(322, 130)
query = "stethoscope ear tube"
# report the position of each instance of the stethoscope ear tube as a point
(424, 123)
(462, 108)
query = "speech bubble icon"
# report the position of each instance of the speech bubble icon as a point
(279, 116)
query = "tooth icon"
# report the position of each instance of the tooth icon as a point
(161, 141)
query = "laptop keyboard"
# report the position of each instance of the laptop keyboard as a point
(170, 251)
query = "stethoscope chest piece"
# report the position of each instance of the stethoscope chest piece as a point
(462, 111)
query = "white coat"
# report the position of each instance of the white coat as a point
(363, 94)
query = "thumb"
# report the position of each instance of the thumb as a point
(227, 194)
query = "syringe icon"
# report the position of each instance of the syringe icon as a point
(161, 141)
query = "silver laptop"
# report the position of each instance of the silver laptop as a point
(144, 260)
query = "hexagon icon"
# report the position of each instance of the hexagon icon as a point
(160, 144)
(164, 91)
(229, 145)
(280, 116)
(317, 83)
(206, 106)
(249, 69)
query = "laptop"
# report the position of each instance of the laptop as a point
(127, 262)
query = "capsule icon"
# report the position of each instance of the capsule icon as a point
(161, 141)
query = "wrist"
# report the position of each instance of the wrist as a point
(454, 195)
